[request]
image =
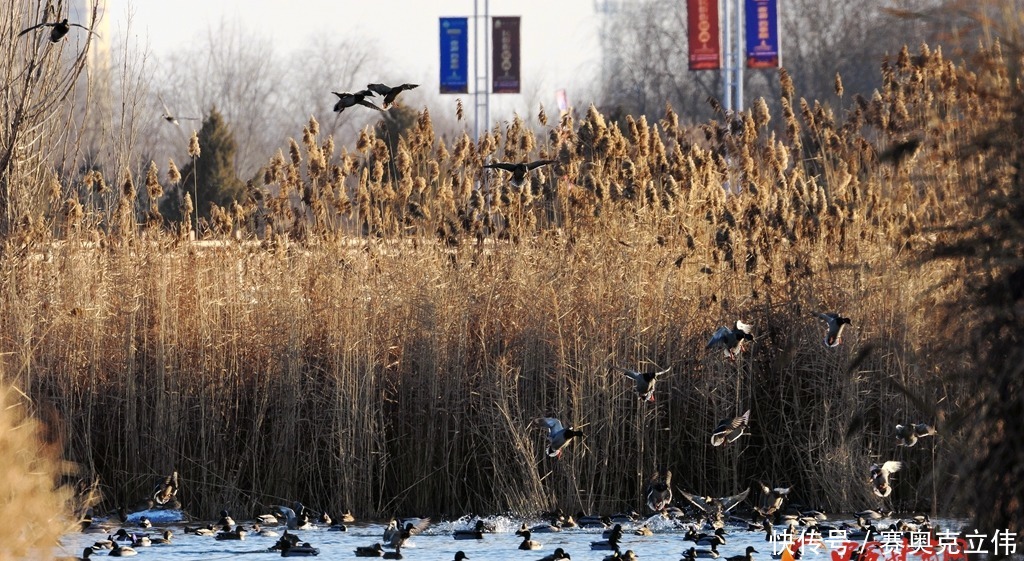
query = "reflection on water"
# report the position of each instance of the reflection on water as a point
(437, 544)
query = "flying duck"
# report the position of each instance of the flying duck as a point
(60, 29)
(730, 429)
(519, 171)
(716, 508)
(907, 435)
(558, 436)
(346, 99)
(835, 322)
(389, 92)
(880, 477)
(771, 499)
(644, 381)
(731, 340)
(659, 490)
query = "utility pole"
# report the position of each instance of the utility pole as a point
(482, 89)
(732, 42)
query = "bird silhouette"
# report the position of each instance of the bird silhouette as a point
(60, 29)
(346, 99)
(519, 171)
(836, 323)
(390, 93)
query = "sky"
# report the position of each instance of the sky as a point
(560, 46)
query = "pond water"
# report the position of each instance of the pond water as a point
(436, 543)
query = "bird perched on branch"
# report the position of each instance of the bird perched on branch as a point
(644, 381)
(558, 436)
(835, 322)
(60, 29)
(390, 93)
(731, 340)
(907, 435)
(519, 171)
(730, 429)
(346, 99)
(880, 477)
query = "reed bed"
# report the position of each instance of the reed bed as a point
(380, 331)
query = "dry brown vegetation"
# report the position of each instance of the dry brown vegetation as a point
(378, 333)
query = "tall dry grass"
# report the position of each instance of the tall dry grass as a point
(390, 325)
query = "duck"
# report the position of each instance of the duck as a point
(627, 555)
(141, 540)
(518, 171)
(104, 544)
(207, 530)
(558, 436)
(644, 530)
(122, 550)
(542, 528)
(60, 29)
(166, 490)
(390, 92)
(728, 430)
(716, 508)
(346, 99)
(295, 519)
(302, 550)
(659, 490)
(694, 553)
(404, 532)
(714, 540)
(164, 539)
(86, 554)
(374, 550)
(613, 532)
(558, 555)
(731, 340)
(261, 531)
(527, 543)
(347, 517)
(880, 477)
(748, 556)
(771, 499)
(477, 533)
(227, 533)
(284, 542)
(460, 555)
(396, 554)
(225, 519)
(611, 543)
(145, 523)
(267, 520)
(592, 521)
(644, 381)
(907, 435)
(835, 323)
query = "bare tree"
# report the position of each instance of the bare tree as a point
(38, 77)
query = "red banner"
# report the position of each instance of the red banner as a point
(705, 40)
(505, 54)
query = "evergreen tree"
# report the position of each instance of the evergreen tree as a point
(210, 178)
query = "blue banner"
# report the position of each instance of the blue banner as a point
(454, 55)
(763, 34)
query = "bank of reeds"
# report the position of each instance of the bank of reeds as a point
(390, 325)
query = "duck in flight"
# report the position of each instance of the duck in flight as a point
(390, 93)
(346, 99)
(519, 171)
(60, 29)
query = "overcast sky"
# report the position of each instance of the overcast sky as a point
(559, 38)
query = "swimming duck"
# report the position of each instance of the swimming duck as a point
(907, 435)
(627, 555)
(558, 555)
(835, 323)
(880, 477)
(347, 517)
(716, 508)
(122, 550)
(592, 521)
(207, 530)
(261, 531)
(145, 523)
(694, 553)
(558, 436)
(141, 540)
(771, 499)
(228, 534)
(613, 533)
(267, 520)
(644, 530)
(346, 99)
(610, 543)
(389, 92)
(166, 489)
(302, 550)
(644, 381)
(528, 543)
(284, 542)
(225, 519)
(103, 544)
(164, 539)
(60, 29)
(732, 340)
(374, 550)
(748, 556)
(86, 554)
(460, 555)
(714, 540)
(659, 490)
(542, 528)
(730, 429)
(404, 532)
(519, 171)
(295, 519)
(477, 533)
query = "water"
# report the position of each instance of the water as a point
(437, 544)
